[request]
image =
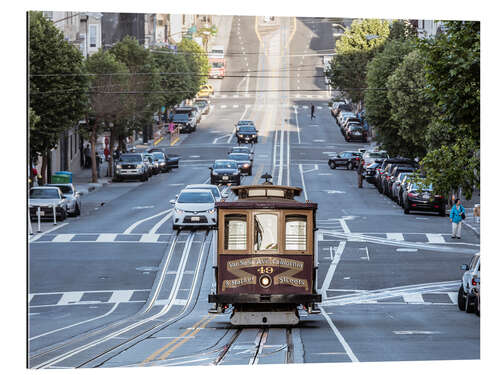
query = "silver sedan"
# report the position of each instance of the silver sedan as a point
(72, 196)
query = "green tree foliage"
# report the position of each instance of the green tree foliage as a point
(402, 30)
(378, 106)
(354, 50)
(410, 109)
(451, 62)
(109, 77)
(174, 83)
(205, 33)
(451, 168)
(57, 89)
(197, 62)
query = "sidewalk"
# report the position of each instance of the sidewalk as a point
(82, 179)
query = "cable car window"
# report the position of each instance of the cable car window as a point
(235, 232)
(296, 232)
(265, 232)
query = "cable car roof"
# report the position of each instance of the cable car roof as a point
(266, 191)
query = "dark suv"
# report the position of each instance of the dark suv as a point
(247, 134)
(131, 166)
(348, 159)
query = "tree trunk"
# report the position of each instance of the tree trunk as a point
(92, 152)
(111, 147)
(43, 172)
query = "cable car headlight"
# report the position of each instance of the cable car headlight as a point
(265, 281)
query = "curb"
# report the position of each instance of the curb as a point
(476, 232)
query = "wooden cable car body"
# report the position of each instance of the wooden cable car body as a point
(266, 263)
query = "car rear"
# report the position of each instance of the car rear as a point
(194, 208)
(423, 199)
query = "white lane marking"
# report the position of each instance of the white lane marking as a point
(223, 106)
(121, 296)
(63, 238)
(303, 183)
(344, 226)
(416, 332)
(345, 345)
(319, 140)
(319, 107)
(395, 236)
(149, 238)
(367, 253)
(304, 106)
(435, 238)
(241, 118)
(106, 237)
(37, 236)
(161, 222)
(142, 207)
(407, 250)
(325, 174)
(216, 139)
(297, 123)
(75, 324)
(413, 298)
(133, 226)
(236, 105)
(332, 268)
(70, 297)
(334, 192)
(194, 156)
(453, 297)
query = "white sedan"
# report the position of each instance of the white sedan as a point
(213, 188)
(194, 208)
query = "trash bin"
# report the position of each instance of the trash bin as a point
(65, 173)
(60, 179)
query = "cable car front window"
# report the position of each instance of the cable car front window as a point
(235, 232)
(265, 232)
(296, 232)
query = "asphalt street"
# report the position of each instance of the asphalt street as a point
(118, 287)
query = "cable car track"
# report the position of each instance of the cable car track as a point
(139, 319)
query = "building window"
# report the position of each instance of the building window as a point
(93, 35)
(160, 22)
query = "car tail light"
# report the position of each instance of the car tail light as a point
(474, 281)
(413, 205)
(357, 158)
(412, 195)
(436, 206)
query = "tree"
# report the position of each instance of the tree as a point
(451, 62)
(205, 33)
(143, 80)
(354, 50)
(410, 108)
(57, 87)
(109, 77)
(378, 107)
(198, 67)
(174, 82)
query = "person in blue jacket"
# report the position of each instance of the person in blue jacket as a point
(456, 218)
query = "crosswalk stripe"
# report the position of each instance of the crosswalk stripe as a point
(454, 297)
(395, 236)
(106, 237)
(70, 297)
(235, 105)
(435, 238)
(223, 106)
(149, 238)
(121, 296)
(63, 238)
(413, 298)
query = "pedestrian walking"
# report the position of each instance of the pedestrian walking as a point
(312, 111)
(361, 168)
(457, 215)
(86, 153)
(106, 153)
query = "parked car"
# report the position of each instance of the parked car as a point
(396, 186)
(355, 132)
(212, 188)
(203, 105)
(46, 197)
(243, 161)
(347, 122)
(131, 166)
(394, 175)
(247, 134)
(422, 198)
(404, 186)
(342, 107)
(242, 150)
(387, 174)
(335, 105)
(150, 164)
(172, 159)
(160, 158)
(73, 198)
(225, 172)
(465, 299)
(370, 156)
(475, 292)
(380, 172)
(193, 208)
(343, 115)
(370, 171)
(349, 159)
